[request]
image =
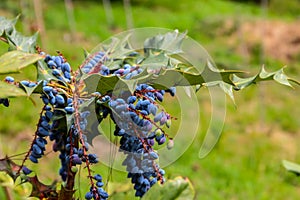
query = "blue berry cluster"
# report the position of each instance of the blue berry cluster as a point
(139, 124)
(60, 68)
(128, 71)
(94, 64)
(97, 192)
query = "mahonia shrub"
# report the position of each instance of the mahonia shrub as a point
(119, 81)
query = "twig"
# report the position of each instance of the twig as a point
(38, 10)
(7, 193)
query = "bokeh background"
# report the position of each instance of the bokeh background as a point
(259, 132)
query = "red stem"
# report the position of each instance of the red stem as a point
(35, 136)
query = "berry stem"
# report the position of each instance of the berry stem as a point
(35, 136)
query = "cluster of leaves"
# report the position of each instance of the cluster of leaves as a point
(161, 60)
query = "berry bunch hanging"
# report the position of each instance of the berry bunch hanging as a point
(115, 81)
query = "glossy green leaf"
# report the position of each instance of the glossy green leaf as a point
(14, 61)
(291, 167)
(178, 188)
(9, 90)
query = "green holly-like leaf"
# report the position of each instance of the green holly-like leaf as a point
(41, 190)
(279, 76)
(30, 90)
(155, 60)
(291, 167)
(7, 25)
(14, 61)
(115, 47)
(170, 42)
(178, 188)
(17, 41)
(164, 65)
(9, 90)
(44, 72)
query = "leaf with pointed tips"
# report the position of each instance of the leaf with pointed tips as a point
(17, 41)
(165, 66)
(43, 72)
(279, 76)
(7, 25)
(155, 60)
(116, 47)
(227, 88)
(170, 42)
(36, 89)
(14, 61)
(41, 190)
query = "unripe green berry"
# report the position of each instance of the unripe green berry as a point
(168, 123)
(74, 169)
(158, 132)
(170, 144)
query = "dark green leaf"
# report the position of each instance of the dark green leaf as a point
(179, 189)
(14, 61)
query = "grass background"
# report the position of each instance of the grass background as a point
(258, 133)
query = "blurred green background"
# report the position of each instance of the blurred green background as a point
(259, 132)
